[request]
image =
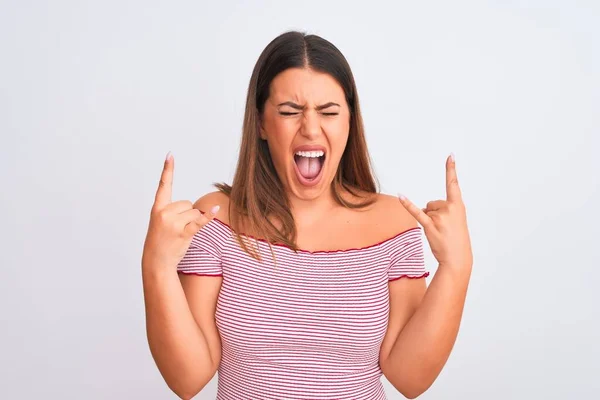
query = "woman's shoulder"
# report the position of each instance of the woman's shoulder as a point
(389, 218)
(209, 200)
(383, 220)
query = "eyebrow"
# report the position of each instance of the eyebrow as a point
(299, 107)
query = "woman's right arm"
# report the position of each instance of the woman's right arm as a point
(179, 347)
(180, 329)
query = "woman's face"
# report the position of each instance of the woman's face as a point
(305, 122)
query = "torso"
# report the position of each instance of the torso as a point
(312, 323)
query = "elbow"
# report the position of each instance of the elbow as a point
(184, 392)
(409, 384)
(188, 396)
(411, 394)
(188, 390)
(181, 394)
(412, 391)
(185, 396)
(414, 388)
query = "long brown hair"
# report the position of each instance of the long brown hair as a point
(256, 192)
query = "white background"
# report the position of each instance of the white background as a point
(94, 94)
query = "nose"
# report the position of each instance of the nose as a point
(311, 124)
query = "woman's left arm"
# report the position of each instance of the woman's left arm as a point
(424, 344)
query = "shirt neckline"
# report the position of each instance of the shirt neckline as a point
(319, 251)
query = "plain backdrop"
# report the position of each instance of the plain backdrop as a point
(94, 94)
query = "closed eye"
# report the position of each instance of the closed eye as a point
(295, 113)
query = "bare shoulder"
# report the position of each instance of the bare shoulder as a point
(390, 216)
(386, 217)
(209, 200)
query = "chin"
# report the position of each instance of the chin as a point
(308, 194)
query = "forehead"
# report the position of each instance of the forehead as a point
(306, 85)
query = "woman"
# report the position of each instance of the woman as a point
(293, 282)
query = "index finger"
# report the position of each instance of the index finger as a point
(453, 193)
(165, 186)
(422, 218)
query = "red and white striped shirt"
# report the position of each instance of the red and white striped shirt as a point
(309, 327)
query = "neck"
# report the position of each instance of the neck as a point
(309, 212)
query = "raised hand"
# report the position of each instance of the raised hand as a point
(172, 224)
(445, 223)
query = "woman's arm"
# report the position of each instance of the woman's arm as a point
(424, 344)
(177, 344)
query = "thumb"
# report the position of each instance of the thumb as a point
(204, 218)
(211, 214)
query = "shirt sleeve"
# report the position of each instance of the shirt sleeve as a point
(203, 256)
(406, 256)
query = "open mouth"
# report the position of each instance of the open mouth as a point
(309, 165)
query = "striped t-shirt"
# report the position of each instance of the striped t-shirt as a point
(310, 327)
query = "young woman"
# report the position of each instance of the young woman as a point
(300, 280)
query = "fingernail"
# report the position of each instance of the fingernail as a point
(401, 197)
(452, 157)
(214, 210)
(168, 156)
